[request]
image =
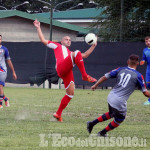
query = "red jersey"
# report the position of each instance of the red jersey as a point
(64, 63)
(61, 52)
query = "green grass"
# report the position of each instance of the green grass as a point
(31, 112)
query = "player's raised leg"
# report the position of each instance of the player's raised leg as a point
(78, 60)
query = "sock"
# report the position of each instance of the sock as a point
(64, 102)
(1, 99)
(110, 126)
(5, 98)
(80, 63)
(102, 118)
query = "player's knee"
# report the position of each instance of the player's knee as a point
(119, 120)
(148, 85)
(111, 114)
(71, 92)
(70, 95)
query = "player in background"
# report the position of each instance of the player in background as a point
(146, 58)
(4, 55)
(65, 61)
(127, 80)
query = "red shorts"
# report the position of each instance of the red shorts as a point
(64, 70)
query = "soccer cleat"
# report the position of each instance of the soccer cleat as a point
(1, 106)
(89, 79)
(102, 134)
(59, 118)
(89, 127)
(147, 102)
(7, 103)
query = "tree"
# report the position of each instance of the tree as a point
(123, 20)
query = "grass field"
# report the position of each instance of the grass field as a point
(28, 124)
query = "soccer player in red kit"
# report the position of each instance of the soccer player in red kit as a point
(65, 61)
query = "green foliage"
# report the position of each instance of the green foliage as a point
(135, 20)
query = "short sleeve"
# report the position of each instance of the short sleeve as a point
(52, 45)
(112, 74)
(7, 56)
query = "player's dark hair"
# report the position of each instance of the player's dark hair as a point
(147, 37)
(0, 35)
(134, 59)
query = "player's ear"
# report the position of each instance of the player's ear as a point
(138, 63)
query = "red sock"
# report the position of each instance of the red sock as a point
(64, 102)
(111, 126)
(5, 98)
(80, 63)
(104, 117)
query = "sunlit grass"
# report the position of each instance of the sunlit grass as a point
(30, 115)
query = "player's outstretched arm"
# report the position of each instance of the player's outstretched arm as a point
(89, 51)
(147, 94)
(102, 79)
(12, 68)
(142, 62)
(40, 34)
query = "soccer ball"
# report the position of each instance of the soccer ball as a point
(90, 38)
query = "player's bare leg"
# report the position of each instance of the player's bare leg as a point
(78, 60)
(64, 102)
